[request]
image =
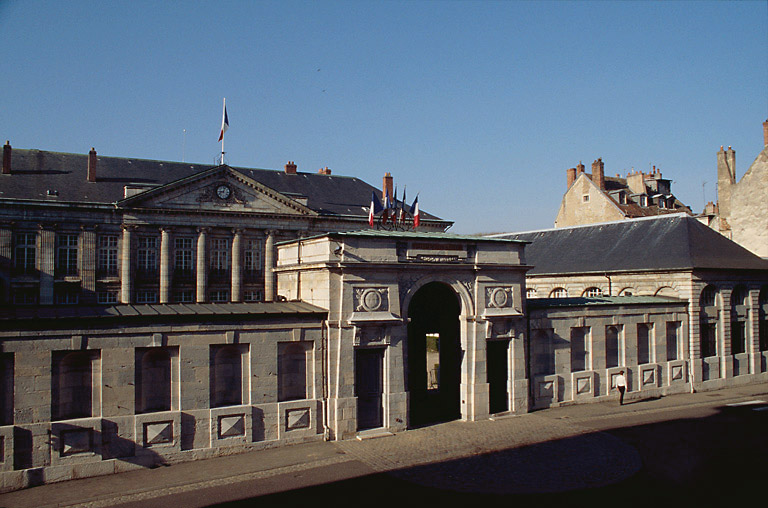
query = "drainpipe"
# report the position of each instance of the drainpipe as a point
(324, 360)
(610, 284)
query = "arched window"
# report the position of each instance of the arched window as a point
(530, 293)
(613, 348)
(153, 380)
(543, 352)
(558, 293)
(627, 292)
(666, 291)
(593, 291)
(226, 376)
(708, 328)
(739, 304)
(72, 385)
(292, 371)
(644, 346)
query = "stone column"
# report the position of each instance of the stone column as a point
(87, 265)
(165, 265)
(269, 264)
(46, 240)
(126, 267)
(237, 260)
(202, 272)
(753, 330)
(724, 337)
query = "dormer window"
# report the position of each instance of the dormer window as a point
(643, 200)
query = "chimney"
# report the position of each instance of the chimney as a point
(290, 168)
(597, 173)
(324, 171)
(579, 169)
(92, 159)
(7, 158)
(571, 173)
(387, 185)
(765, 133)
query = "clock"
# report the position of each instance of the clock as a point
(223, 191)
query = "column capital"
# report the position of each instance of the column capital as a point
(47, 226)
(238, 231)
(129, 227)
(203, 230)
(165, 229)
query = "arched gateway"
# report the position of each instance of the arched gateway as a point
(422, 327)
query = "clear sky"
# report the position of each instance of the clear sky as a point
(480, 106)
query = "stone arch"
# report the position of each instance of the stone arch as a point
(592, 291)
(668, 291)
(558, 292)
(433, 351)
(627, 291)
(461, 289)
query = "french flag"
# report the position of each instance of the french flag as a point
(415, 212)
(224, 121)
(375, 208)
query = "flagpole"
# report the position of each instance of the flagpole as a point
(222, 137)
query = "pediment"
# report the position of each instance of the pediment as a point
(219, 189)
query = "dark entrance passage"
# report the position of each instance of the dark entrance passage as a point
(369, 387)
(434, 355)
(497, 366)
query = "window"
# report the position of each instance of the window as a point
(543, 352)
(530, 293)
(219, 296)
(674, 345)
(585, 198)
(153, 379)
(186, 296)
(627, 292)
(762, 311)
(24, 253)
(580, 349)
(591, 292)
(146, 257)
(107, 256)
(66, 294)
(66, 255)
(252, 259)
(25, 295)
(614, 349)
(72, 388)
(219, 256)
(708, 325)
(558, 293)
(183, 256)
(643, 200)
(708, 340)
(6, 388)
(739, 304)
(292, 371)
(644, 343)
(146, 296)
(253, 296)
(106, 297)
(226, 383)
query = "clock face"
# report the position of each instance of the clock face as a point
(223, 191)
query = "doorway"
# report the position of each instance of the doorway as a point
(434, 355)
(498, 377)
(369, 388)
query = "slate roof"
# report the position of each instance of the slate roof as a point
(36, 172)
(632, 209)
(13, 316)
(672, 242)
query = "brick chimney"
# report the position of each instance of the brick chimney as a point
(387, 185)
(598, 175)
(765, 133)
(290, 168)
(571, 173)
(324, 171)
(7, 158)
(579, 169)
(92, 160)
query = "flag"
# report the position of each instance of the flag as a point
(387, 206)
(224, 121)
(402, 207)
(393, 206)
(375, 208)
(415, 212)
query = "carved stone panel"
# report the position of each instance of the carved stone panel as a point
(498, 297)
(371, 299)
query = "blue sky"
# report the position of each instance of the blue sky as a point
(479, 106)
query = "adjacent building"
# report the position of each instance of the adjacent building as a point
(741, 211)
(594, 197)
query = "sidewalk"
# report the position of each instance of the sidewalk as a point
(532, 444)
